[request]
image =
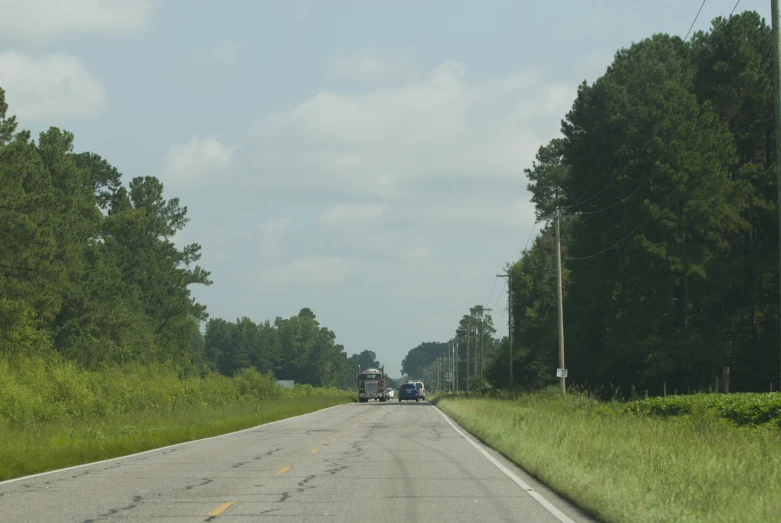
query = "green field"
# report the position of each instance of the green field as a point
(54, 415)
(629, 464)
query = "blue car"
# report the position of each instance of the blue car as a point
(408, 391)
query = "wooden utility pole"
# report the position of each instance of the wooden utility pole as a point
(559, 294)
(482, 310)
(509, 277)
(775, 10)
(457, 357)
(468, 332)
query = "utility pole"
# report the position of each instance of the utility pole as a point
(457, 357)
(561, 305)
(776, 15)
(439, 364)
(482, 310)
(454, 388)
(452, 358)
(450, 367)
(509, 277)
(468, 332)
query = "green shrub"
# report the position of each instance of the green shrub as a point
(743, 410)
(37, 390)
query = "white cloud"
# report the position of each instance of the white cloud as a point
(415, 254)
(481, 213)
(444, 126)
(313, 270)
(35, 21)
(196, 160)
(49, 89)
(369, 67)
(346, 214)
(223, 55)
(273, 230)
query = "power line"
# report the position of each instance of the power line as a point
(583, 213)
(530, 235)
(743, 99)
(695, 20)
(733, 9)
(625, 237)
(578, 201)
(492, 292)
(500, 295)
(623, 198)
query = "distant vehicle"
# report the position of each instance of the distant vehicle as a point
(391, 393)
(421, 388)
(371, 385)
(408, 391)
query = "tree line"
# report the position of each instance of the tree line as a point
(89, 272)
(664, 174)
(473, 347)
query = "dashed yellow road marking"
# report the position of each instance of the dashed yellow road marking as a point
(313, 451)
(355, 427)
(283, 470)
(333, 439)
(222, 508)
(346, 431)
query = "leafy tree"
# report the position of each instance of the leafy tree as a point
(547, 178)
(366, 360)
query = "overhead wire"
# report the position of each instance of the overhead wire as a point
(622, 239)
(499, 297)
(578, 201)
(695, 20)
(492, 291)
(732, 115)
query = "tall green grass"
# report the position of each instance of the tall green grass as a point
(624, 467)
(55, 414)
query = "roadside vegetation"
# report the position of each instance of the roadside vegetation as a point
(699, 458)
(104, 350)
(54, 414)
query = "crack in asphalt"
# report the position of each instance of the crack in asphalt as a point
(115, 511)
(206, 481)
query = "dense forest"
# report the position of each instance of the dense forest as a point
(89, 273)
(665, 177)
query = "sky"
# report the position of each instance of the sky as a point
(362, 159)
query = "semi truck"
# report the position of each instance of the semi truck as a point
(371, 385)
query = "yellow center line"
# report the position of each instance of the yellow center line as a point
(346, 431)
(313, 451)
(355, 427)
(283, 470)
(222, 508)
(333, 439)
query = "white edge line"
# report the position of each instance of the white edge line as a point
(158, 449)
(510, 474)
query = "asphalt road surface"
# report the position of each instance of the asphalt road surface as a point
(369, 462)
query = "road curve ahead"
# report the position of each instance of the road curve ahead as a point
(362, 463)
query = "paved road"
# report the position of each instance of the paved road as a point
(353, 463)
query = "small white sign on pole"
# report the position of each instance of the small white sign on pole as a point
(561, 373)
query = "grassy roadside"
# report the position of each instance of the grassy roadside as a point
(31, 448)
(54, 414)
(624, 467)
